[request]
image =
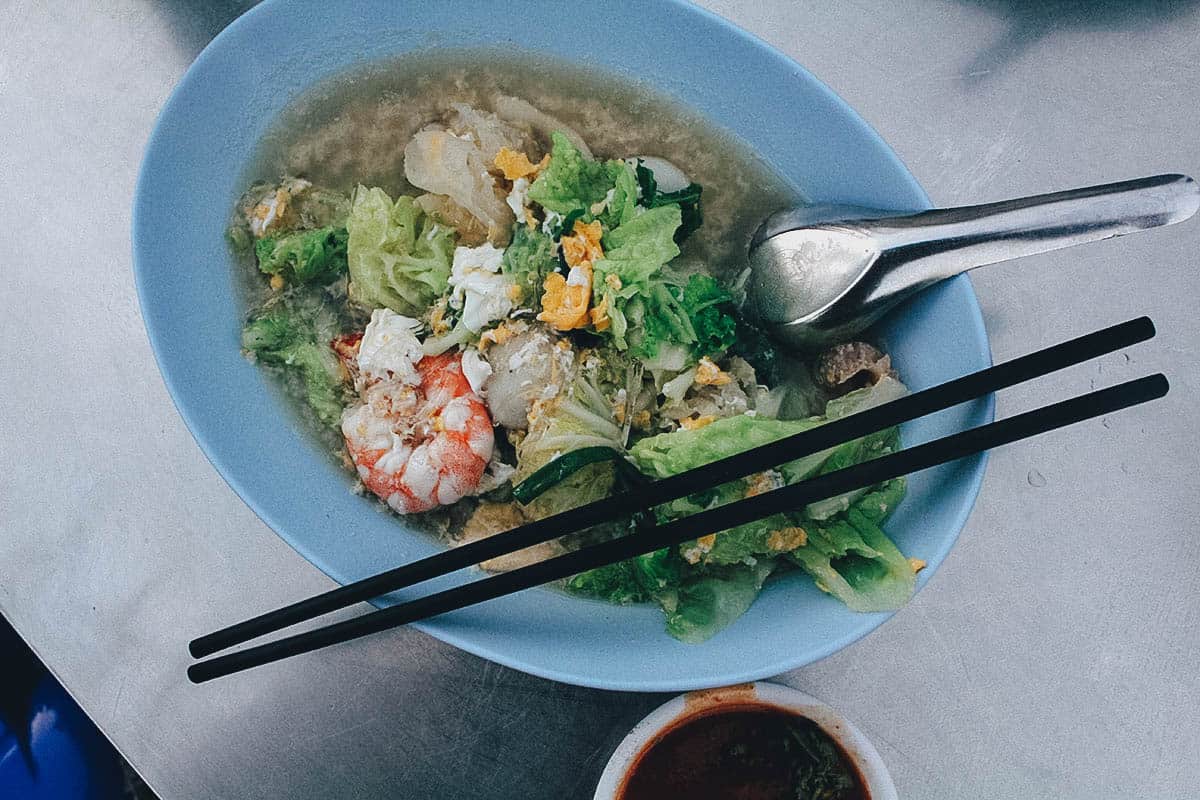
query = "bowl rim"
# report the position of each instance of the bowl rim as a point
(851, 740)
(973, 320)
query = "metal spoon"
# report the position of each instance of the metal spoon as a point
(821, 274)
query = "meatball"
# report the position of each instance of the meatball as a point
(853, 365)
(532, 364)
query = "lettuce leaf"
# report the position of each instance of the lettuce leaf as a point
(740, 545)
(628, 282)
(613, 583)
(856, 451)
(398, 257)
(315, 256)
(644, 243)
(580, 416)
(687, 198)
(293, 332)
(708, 602)
(678, 451)
(845, 550)
(650, 305)
(528, 259)
(708, 307)
(571, 181)
(671, 453)
(622, 206)
(649, 576)
(852, 559)
(847, 455)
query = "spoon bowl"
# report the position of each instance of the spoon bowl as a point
(824, 273)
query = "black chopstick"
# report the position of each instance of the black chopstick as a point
(868, 473)
(927, 401)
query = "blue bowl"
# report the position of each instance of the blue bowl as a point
(190, 177)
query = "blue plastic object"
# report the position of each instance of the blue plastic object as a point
(49, 750)
(190, 178)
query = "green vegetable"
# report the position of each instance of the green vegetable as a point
(818, 769)
(856, 451)
(316, 256)
(847, 455)
(658, 572)
(570, 181)
(645, 179)
(627, 279)
(851, 558)
(706, 603)
(828, 523)
(687, 198)
(623, 206)
(649, 305)
(671, 453)
(557, 470)
(707, 306)
(661, 319)
(528, 259)
(740, 545)
(614, 583)
(239, 237)
(643, 244)
(294, 332)
(648, 576)
(567, 225)
(399, 258)
(574, 420)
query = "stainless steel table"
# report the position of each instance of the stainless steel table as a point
(1054, 655)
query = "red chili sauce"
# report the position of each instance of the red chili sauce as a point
(743, 752)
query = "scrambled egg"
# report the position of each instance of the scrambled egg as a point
(786, 539)
(916, 564)
(437, 317)
(275, 209)
(583, 245)
(763, 482)
(565, 300)
(599, 315)
(497, 335)
(703, 545)
(619, 406)
(516, 165)
(269, 213)
(709, 374)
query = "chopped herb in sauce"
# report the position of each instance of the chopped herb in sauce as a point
(748, 752)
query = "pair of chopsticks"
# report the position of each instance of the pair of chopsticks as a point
(642, 498)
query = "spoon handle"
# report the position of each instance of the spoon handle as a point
(941, 243)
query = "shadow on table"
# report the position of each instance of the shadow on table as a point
(1030, 20)
(197, 22)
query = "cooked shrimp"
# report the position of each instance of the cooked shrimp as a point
(420, 446)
